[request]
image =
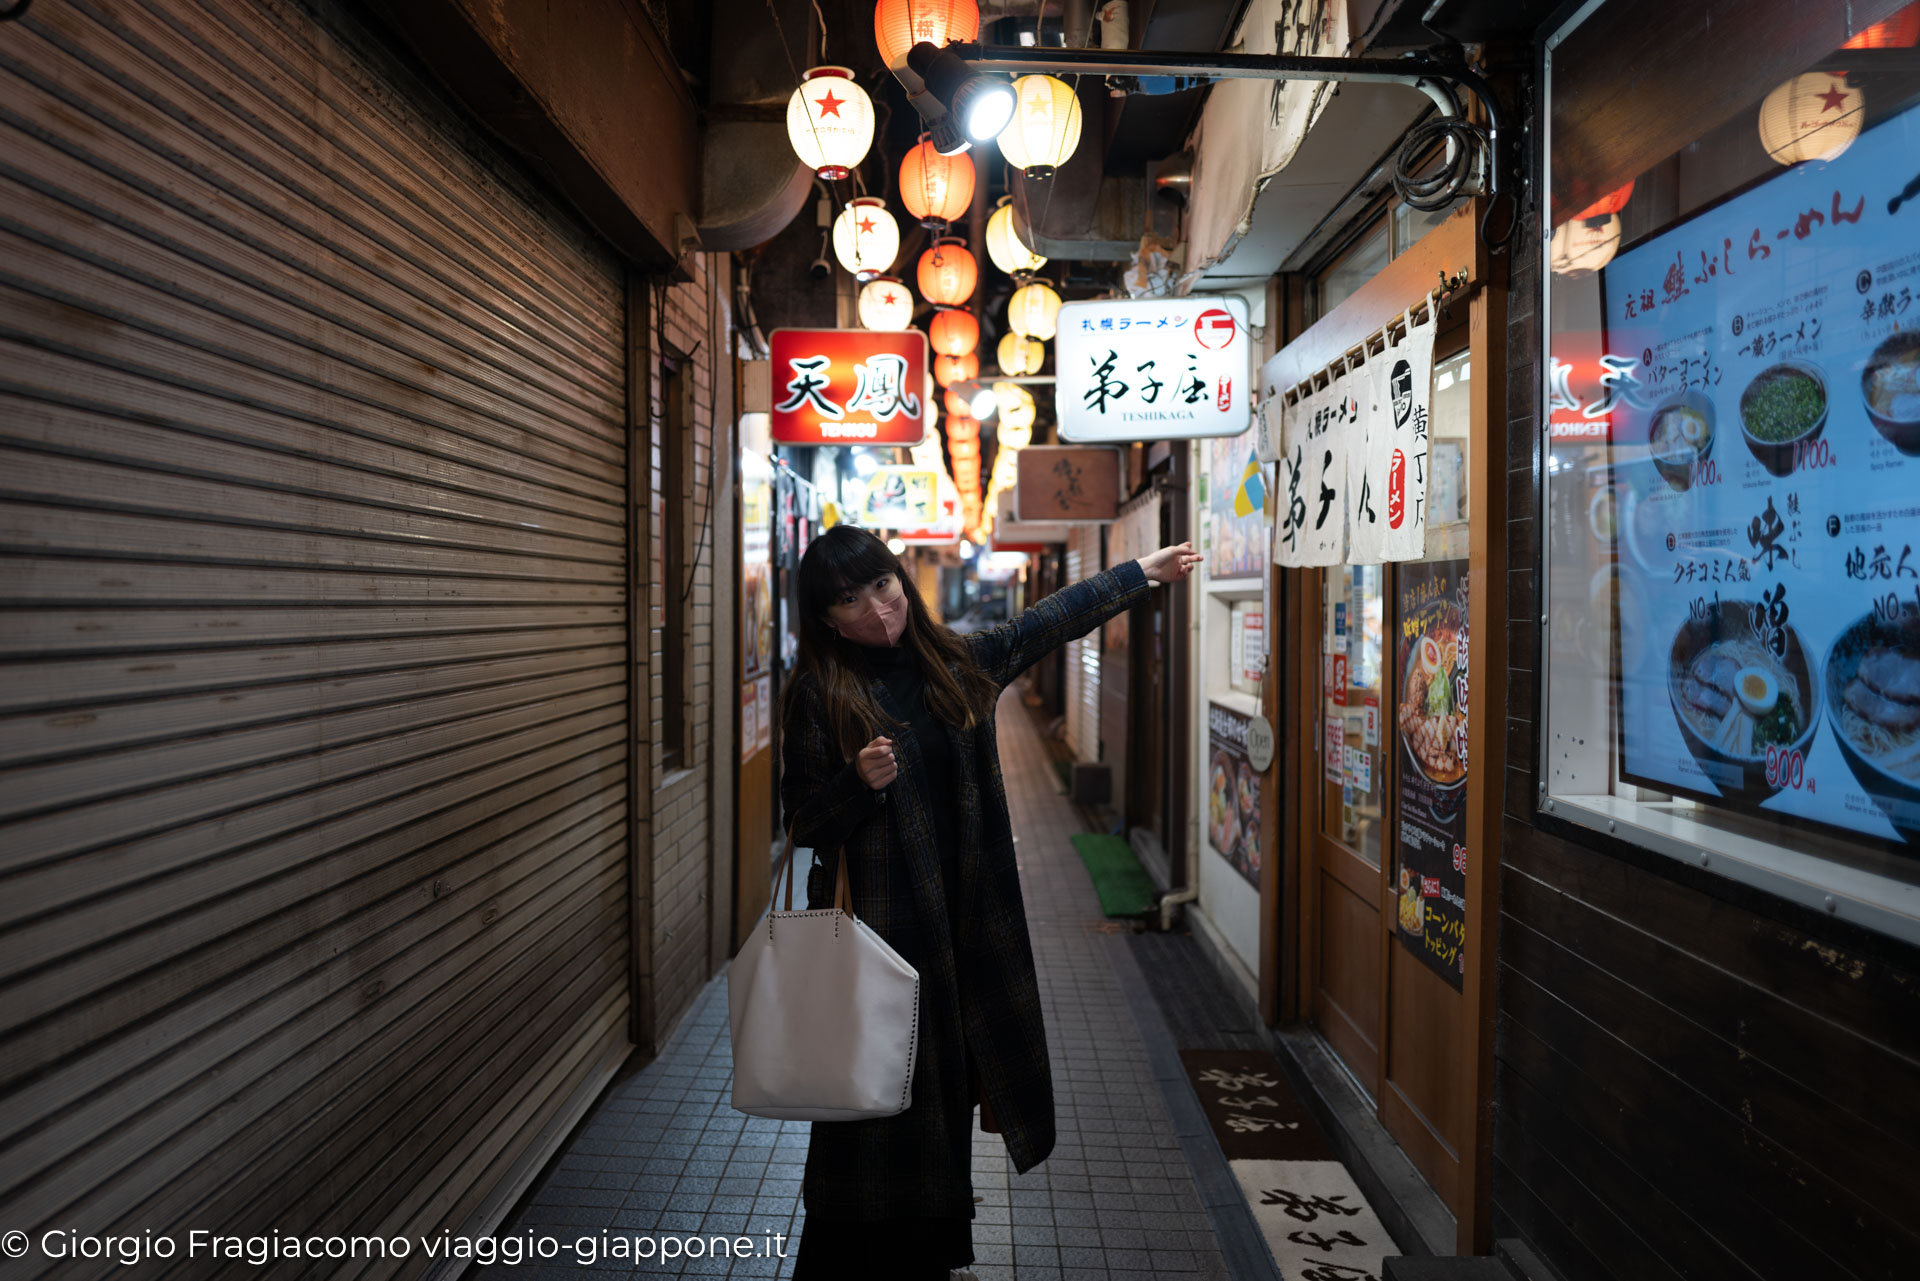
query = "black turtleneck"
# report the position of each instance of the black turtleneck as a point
(895, 665)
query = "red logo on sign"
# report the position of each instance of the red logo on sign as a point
(1396, 490)
(849, 386)
(1430, 887)
(1214, 328)
(1223, 395)
(1459, 858)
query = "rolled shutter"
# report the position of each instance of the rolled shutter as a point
(313, 775)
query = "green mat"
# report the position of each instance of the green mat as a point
(1125, 888)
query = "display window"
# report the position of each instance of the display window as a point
(1732, 466)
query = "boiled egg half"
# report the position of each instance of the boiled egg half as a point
(1756, 689)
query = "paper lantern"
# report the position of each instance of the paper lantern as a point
(1034, 310)
(963, 450)
(1021, 356)
(1584, 245)
(885, 303)
(1901, 31)
(830, 122)
(1045, 127)
(1811, 117)
(1017, 414)
(948, 272)
(1009, 253)
(936, 189)
(948, 370)
(962, 427)
(1611, 203)
(954, 332)
(898, 25)
(866, 239)
(957, 404)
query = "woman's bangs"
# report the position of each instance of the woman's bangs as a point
(845, 560)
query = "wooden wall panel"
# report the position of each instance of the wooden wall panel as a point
(314, 683)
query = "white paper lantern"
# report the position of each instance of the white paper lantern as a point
(1009, 253)
(866, 239)
(1045, 127)
(885, 303)
(830, 122)
(1811, 117)
(1034, 311)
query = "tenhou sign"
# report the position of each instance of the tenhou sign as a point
(1153, 369)
(849, 386)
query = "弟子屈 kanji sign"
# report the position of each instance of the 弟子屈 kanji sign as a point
(849, 386)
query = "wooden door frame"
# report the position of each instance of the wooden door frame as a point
(1453, 247)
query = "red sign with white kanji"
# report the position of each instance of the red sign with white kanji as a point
(849, 386)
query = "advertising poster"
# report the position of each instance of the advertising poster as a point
(1153, 369)
(1762, 379)
(1430, 802)
(756, 564)
(1236, 505)
(1233, 792)
(901, 497)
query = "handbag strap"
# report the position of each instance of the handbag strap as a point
(842, 888)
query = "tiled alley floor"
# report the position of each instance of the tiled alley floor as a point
(1117, 1201)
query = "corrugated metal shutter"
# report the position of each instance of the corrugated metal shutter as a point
(1083, 655)
(313, 813)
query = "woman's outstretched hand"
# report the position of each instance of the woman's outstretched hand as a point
(1170, 564)
(876, 763)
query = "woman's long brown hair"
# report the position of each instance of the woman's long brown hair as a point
(958, 692)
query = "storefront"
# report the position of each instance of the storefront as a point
(1709, 891)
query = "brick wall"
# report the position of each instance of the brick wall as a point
(680, 868)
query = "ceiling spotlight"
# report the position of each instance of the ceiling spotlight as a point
(985, 404)
(960, 105)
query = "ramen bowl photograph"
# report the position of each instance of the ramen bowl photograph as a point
(1737, 700)
(1680, 436)
(1873, 703)
(1782, 411)
(1890, 386)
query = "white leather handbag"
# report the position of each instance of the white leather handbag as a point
(826, 1016)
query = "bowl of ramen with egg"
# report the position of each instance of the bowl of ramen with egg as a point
(1223, 811)
(1742, 690)
(1873, 702)
(1432, 717)
(1890, 384)
(1782, 411)
(1679, 436)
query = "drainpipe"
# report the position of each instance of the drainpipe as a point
(1196, 607)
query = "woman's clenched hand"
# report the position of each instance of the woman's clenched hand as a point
(1169, 564)
(876, 764)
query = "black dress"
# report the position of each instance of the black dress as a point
(923, 1249)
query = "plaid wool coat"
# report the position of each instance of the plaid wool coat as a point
(978, 993)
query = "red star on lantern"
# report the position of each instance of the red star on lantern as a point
(887, 298)
(830, 105)
(1834, 98)
(866, 224)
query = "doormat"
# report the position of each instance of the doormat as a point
(1124, 887)
(1313, 1216)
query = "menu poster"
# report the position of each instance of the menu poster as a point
(1236, 508)
(1233, 792)
(1430, 802)
(1325, 440)
(756, 563)
(1368, 454)
(1763, 373)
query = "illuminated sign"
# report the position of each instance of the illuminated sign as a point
(849, 386)
(1153, 369)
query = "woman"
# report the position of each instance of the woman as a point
(890, 755)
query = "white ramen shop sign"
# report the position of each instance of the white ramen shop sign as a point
(1153, 369)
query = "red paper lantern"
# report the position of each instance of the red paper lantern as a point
(958, 406)
(898, 25)
(948, 370)
(954, 332)
(964, 450)
(948, 273)
(936, 189)
(1901, 31)
(962, 427)
(1611, 203)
